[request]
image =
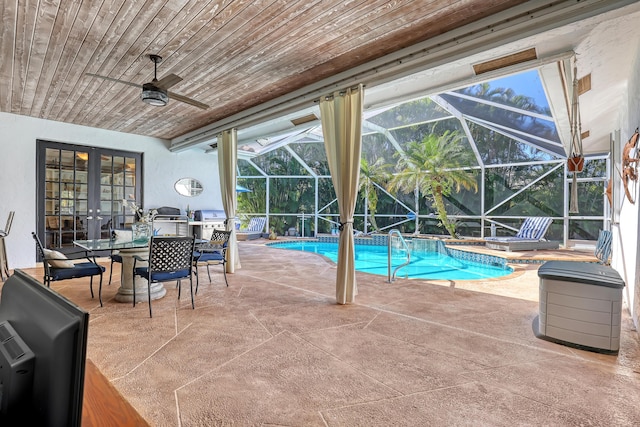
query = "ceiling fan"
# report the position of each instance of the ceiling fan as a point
(156, 92)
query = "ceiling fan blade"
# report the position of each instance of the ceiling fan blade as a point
(167, 81)
(113, 80)
(187, 100)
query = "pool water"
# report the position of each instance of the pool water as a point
(424, 265)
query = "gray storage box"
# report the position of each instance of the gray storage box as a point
(581, 303)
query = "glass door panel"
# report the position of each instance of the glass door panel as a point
(81, 191)
(117, 183)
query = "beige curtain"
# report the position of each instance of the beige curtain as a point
(227, 161)
(341, 116)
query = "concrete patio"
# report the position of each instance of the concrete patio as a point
(274, 349)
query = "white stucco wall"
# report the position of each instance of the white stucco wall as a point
(626, 245)
(161, 168)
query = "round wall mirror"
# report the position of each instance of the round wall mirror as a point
(188, 187)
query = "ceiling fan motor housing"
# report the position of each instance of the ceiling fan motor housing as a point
(153, 95)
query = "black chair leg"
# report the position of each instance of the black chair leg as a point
(197, 279)
(208, 273)
(91, 286)
(179, 285)
(134, 288)
(111, 272)
(149, 293)
(224, 272)
(193, 304)
(100, 291)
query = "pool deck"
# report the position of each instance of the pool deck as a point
(538, 256)
(274, 348)
(525, 266)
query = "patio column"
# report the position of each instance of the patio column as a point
(341, 117)
(227, 162)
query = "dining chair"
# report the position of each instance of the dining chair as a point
(116, 258)
(58, 267)
(170, 258)
(4, 264)
(213, 252)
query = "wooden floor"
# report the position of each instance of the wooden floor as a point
(103, 405)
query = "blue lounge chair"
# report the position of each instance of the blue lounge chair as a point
(603, 247)
(254, 229)
(530, 237)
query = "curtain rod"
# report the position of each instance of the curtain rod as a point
(342, 92)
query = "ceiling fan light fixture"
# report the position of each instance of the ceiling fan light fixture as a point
(154, 95)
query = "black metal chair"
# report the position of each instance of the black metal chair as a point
(4, 267)
(115, 258)
(170, 258)
(58, 267)
(213, 252)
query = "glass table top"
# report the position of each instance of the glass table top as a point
(110, 244)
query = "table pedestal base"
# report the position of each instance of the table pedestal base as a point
(128, 285)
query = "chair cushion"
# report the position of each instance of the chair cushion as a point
(162, 276)
(529, 233)
(256, 224)
(82, 269)
(207, 256)
(534, 228)
(53, 257)
(603, 246)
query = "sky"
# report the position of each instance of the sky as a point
(526, 83)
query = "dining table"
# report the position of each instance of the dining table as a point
(127, 248)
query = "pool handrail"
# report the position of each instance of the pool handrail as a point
(392, 276)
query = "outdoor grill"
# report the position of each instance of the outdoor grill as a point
(207, 220)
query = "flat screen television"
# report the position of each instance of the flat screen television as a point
(43, 348)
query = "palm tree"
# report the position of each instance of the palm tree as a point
(434, 167)
(377, 173)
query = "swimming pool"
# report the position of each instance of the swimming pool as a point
(424, 264)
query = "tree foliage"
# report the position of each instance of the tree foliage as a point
(512, 162)
(435, 166)
(376, 173)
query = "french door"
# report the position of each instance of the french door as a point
(80, 191)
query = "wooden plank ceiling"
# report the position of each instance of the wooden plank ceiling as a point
(231, 54)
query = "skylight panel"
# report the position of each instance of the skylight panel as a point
(523, 90)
